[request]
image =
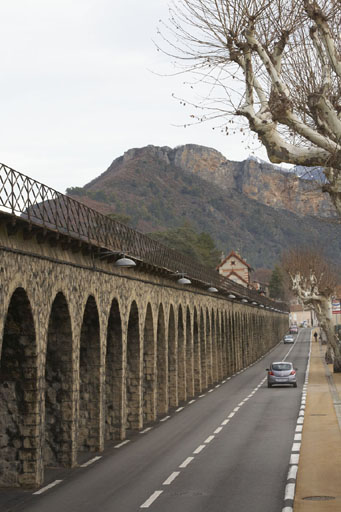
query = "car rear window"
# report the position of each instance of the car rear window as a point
(281, 366)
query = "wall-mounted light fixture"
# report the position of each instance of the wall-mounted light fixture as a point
(254, 303)
(231, 296)
(125, 262)
(212, 289)
(245, 300)
(184, 280)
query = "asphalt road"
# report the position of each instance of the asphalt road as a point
(226, 451)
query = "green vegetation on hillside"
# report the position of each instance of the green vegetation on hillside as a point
(199, 246)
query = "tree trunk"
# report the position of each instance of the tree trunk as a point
(324, 316)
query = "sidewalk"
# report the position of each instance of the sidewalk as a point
(318, 487)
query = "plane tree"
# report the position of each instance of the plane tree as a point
(313, 282)
(273, 64)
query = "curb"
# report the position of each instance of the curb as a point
(289, 494)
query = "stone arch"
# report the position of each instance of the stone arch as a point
(203, 353)
(59, 449)
(133, 371)
(209, 363)
(196, 353)
(172, 360)
(113, 375)
(89, 379)
(214, 348)
(181, 357)
(219, 347)
(20, 388)
(223, 345)
(162, 364)
(189, 356)
(149, 368)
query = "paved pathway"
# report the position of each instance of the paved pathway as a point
(318, 487)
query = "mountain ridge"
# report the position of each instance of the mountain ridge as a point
(246, 205)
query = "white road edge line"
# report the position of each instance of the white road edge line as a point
(56, 482)
(146, 430)
(91, 461)
(165, 418)
(122, 444)
(179, 409)
(151, 499)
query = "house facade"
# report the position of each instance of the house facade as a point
(234, 267)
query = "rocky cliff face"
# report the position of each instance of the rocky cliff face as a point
(259, 181)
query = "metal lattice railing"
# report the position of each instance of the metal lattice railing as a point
(43, 206)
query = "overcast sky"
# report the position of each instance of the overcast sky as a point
(78, 88)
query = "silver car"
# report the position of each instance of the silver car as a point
(281, 372)
(288, 338)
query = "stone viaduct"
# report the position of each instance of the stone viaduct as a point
(90, 351)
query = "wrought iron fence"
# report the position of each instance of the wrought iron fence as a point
(43, 206)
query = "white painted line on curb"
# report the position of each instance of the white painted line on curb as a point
(179, 409)
(200, 396)
(300, 420)
(217, 430)
(299, 428)
(292, 472)
(122, 444)
(56, 482)
(298, 437)
(199, 449)
(171, 478)
(296, 447)
(289, 492)
(191, 402)
(186, 462)
(210, 390)
(294, 458)
(287, 509)
(217, 386)
(91, 461)
(151, 499)
(165, 418)
(209, 439)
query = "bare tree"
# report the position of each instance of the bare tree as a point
(286, 53)
(313, 282)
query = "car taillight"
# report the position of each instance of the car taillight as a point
(292, 372)
(271, 373)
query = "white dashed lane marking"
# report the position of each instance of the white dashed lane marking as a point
(186, 462)
(151, 499)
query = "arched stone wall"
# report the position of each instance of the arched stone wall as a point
(113, 374)
(108, 353)
(20, 389)
(58, 446)
(172, 360)
(90, 396)
(149, 368)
